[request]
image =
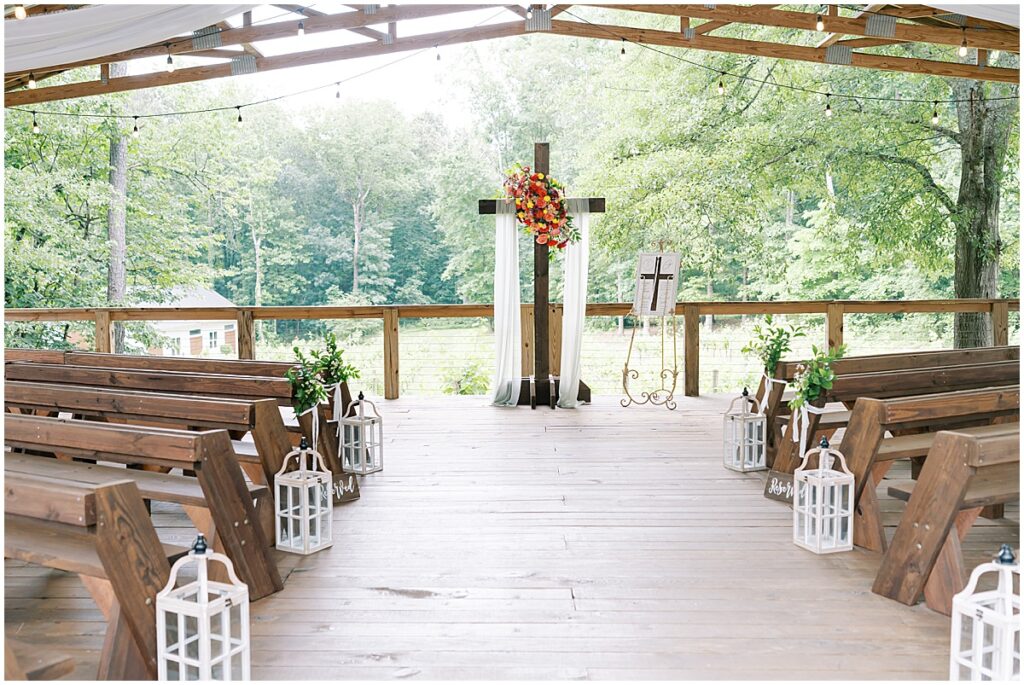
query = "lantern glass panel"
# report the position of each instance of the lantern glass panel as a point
(744, 436)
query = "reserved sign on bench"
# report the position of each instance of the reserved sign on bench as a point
(779, 486)
(346, 488)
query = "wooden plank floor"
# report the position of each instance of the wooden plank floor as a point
(589, 544)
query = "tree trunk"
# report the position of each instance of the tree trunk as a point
(709, 319)
(118, 176)
(984, 135)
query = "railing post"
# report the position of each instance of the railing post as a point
(555, 339)
(691, 350)
(834, 313)
(245, 334)
(391, 353)
(104, 333)
(1000, 323)
(526, 327)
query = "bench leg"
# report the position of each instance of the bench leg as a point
(994, 511)
(948, 575)
(255, 473)
(120, 658)
(868, 531)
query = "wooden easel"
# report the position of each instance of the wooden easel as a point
(542, 387)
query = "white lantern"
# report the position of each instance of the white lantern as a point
(823, 503)
(985, 642)
(304, 502)
(362, 439)
(744, 433)
(202, 627)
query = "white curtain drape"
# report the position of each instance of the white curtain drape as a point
(95, 31)
(508, 334)
(574, 304)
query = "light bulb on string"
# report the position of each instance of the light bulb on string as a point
(239, 108)
(337, 94)
(31, 80)
(170, 60)
(721, 84)
(820, 23)
(963, 45)
(302, 29)
(935, 113)
(828, 105)
(35, 123)
(529, 12)
(622, 52)
(437, 50)
(20, 12)
(135, 127)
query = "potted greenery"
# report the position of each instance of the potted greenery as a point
(815, 377)
(334, 371)
(307, 385)
(772, 341)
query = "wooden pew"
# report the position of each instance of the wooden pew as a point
(787, 370)
(182, 383)
(217, 499)
(914, 423)
(104, 534)
(232, 367)
(849, 388)
(962, 474)
(260, 417)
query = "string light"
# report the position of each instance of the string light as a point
(170, 60)
(35, 124)
(135, 128)
(529, 12)
(622, 52)
(828, 105)
(963, 46)
(935, 113)
(31, 80)
(239, 108)
(438, 53)
(337, 95)
(19, 12)
(721, 84)
(302, 29)
(820, 23)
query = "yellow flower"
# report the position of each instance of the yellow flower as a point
(547, 198)
(529, 205)
(540, 177)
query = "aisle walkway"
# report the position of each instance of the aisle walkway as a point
(597, 543)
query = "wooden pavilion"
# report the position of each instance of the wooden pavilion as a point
(600, 543)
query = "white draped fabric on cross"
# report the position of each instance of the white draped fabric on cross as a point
(508, 372)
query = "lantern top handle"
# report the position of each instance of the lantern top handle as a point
(824, 443)
(746, 392)
(199, 547)
(361, 402)
(1006, 555)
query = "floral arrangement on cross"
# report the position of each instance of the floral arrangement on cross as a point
(540, 207)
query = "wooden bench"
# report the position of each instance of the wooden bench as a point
(913, 423)
(231, 367)
(849, 388)
(104, 534)
(183, 383)
(787, 370)
(217, 499)
(261, 459)
(962, 474)
(15, 354)
(33, 662)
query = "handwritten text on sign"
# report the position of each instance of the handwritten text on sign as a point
(779, 486)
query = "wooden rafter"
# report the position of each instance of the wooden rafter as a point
(833, 38)
(299, 59)
(283, 29)
(853, 26)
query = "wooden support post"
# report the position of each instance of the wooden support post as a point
(834, 313)
(526, 325)
(1000, 323)
(555, 343)
(391, 353)
(691, 350)
(104, 334)
(245, 334)
(541, 369)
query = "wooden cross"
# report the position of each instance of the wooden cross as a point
(545, 387)
(657, 277)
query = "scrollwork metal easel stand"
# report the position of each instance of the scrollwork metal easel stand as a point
(663, 396)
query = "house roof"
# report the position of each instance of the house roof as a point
(192, 297)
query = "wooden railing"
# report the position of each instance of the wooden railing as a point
(834, 311)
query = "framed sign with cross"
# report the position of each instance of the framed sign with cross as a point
(656, 284)
(542, 387)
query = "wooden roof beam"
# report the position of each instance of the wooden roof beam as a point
(833, 38)
(761, 15)
(298, 59)
(283, 29)
(782, 51)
